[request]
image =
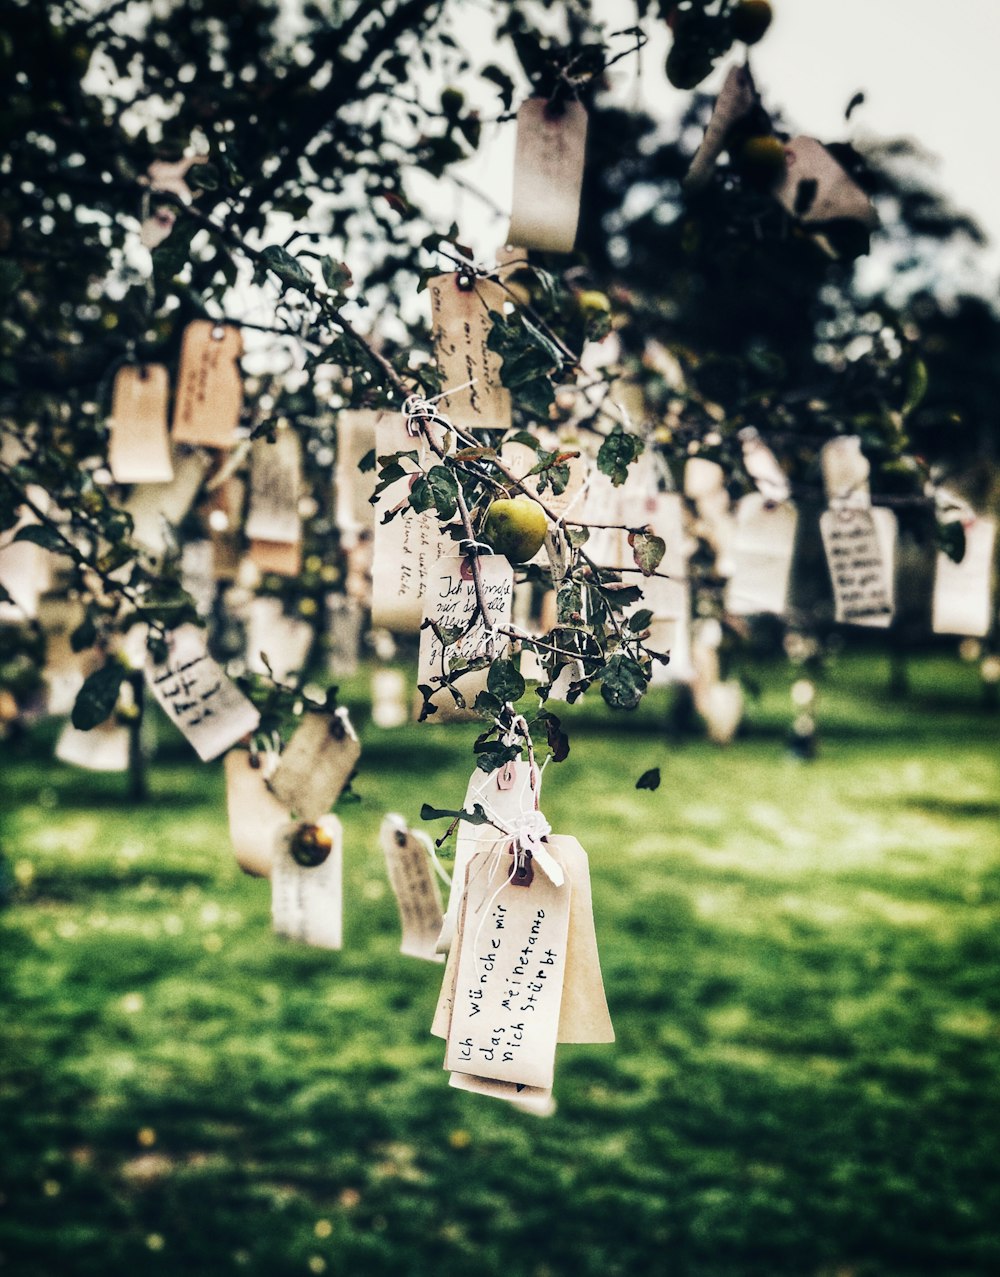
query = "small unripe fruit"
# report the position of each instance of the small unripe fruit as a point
(760, 161)
(310, 845)
(750, 20)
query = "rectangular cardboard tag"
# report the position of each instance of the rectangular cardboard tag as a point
(460, 330)
(275, 485)
(284, 640)
(409, 545)
(353, 487)
(283, 558)
(548, 175)
(451, 604)
(103, 749)
(307, 903)
(316, 763)
(963, 594)
(861, 562)
(762, 549)
(138, 447)
(207, 706)
(532, 1099)
(255, 815)
(511, 965)
(209, 387)
(157, 508)
(415, 886)
(198, 574)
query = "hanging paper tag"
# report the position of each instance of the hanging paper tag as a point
(255, 815)
(409, 545)
(276, 643)
(811, 169)
(532, 1099)
(158, 507)
(353, 487)
(762, 466)
(963, 591)
(846, 471)
(198, 574)
(452, 606)
(860, 545)
(209, 388)
(583, 1014)
(138, 448)
(207, 706)
(105, 748)
(411, 876)
(275, 481)
(548, 175)
(279, 557)
(460, 331)
(511, 967)
(762, 549)
(307, 883)
(316, 763)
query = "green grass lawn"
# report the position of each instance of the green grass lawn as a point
(802, 963)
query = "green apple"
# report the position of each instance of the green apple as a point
(515, 527)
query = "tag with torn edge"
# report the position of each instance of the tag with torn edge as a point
(409, 864)
(204, 703)
(548, 175)
(307, 883)
(511, 966)
(409, 545)
(255, 815)
(138, 447)
(209, 387)
(316, 763)
(451, 605)
(460, 330)
(275, 483)
(762, 550)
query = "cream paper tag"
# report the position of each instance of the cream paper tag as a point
(283, 558)
(451, 604)
(104, 748)
(344, 621)
(316, 763)
(860, 553)
(157, 508)
(284, 641)
(275, 484)
(209, 388)
(460, 331)
(962, 591)
(583, 1015)
(762, 549)
(406, 548)
(411, 876)
(504, 795)
(138, 447)
(24, 573)
(512, 946)
(532, 1099)
(737, 97)
(353, 487)
(837, 194)
(307, 902)
(255, 815)
(763, 467)
(208, 707)
(548, 175)
(58, 618)
(198, 574)
(846, 471)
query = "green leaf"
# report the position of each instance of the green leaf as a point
(647, 550)
(640, 620)
(98, 696)
(649, 780)
(951, 540)
(623, 682)
(84, 636)
(443, 491)
(916, 385)
(336, 276)
(288, 268)
(617, 453)
(505, 681)
(40, 534)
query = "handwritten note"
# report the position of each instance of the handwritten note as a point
(275, 483)
(316, 763)
(963, 591)
(138, 447)
(411, 876)
(408, 546)
(548, 175)
(860, 563)
(451, 604)
(209, 388)
(307, 902)
(762, 549)
(207, 706)
(255, 815)
(509, 982)
(460, 331)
